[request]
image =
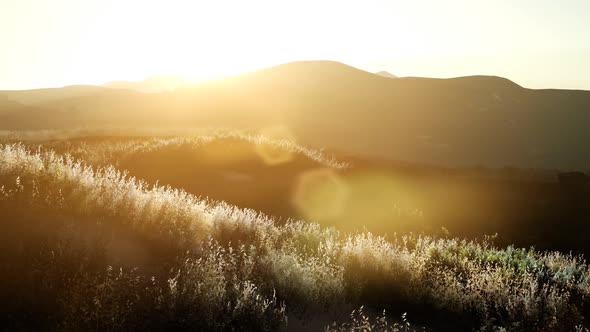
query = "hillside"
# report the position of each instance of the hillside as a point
(476, 120)
(249, 171)
(119, 254)
(286, 180)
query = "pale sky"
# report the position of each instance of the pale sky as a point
(536, 43)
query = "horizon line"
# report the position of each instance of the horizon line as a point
(190, 81)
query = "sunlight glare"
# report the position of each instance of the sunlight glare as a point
(321, 195)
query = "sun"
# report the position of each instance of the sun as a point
(201, 40)
(194, 39)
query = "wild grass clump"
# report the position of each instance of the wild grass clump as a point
(112, 150)
(63, 288)
(211, 266)
(362, 322)
(53, 180)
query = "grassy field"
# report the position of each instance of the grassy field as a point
(166, 233)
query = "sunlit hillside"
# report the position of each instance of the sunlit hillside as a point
(118, 253)
(286, 180)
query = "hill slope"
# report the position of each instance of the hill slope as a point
(468, 120)
(203, 266)
(460, 121)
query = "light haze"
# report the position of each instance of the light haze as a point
(536, 43)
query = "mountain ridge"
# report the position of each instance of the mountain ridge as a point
(463, 121)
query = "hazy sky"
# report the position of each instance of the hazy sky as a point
(536, 43)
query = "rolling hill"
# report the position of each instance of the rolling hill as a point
(91, 248)
(475, 120)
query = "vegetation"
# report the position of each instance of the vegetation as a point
(92, 248)
(107, 151)
(249, 170)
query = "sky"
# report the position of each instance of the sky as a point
(49, 43)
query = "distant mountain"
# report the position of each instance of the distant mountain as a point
(386, 74)
(150, 85)
(475, 120)
(40, 96)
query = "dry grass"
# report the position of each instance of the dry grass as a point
(223, 268)
(104, 152)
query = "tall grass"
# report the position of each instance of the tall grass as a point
(223, 268)
(110, 151)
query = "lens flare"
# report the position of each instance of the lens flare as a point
(321, 195)
(353, 201)
(273, 154)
